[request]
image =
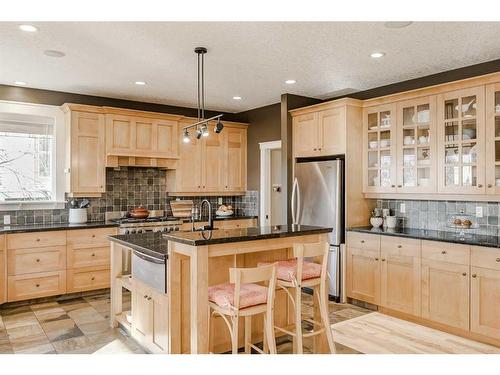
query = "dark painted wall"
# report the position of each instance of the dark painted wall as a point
(265, 125)
(29, 95)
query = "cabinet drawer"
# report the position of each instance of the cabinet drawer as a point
(88, 278)
(89, 237)
(88, 257)
(234, 224)
(363, 241)
(446, 252)
(44, 259)
(36, 285)
(37, 239)
(400, 246)
(485, 257)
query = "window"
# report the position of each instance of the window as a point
(29, 171)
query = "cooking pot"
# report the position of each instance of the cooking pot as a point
(139, 213)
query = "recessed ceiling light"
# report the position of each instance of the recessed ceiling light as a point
(28, 28)
(290, 81)
(53, 53)
(377, 55)
(20, 83)
(140, 83)
(397, 24)
(237, 97)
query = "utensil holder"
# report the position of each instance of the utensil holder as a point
(77, 215)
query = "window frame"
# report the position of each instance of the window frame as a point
(58, 163)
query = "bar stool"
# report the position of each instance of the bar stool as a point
(295, 274)
(242, 297)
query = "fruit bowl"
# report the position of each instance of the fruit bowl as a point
(224, 213)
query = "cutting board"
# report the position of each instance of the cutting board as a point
(181, 208)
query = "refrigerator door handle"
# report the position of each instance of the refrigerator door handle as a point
(292, 201)
(338, 205)
(299, 208)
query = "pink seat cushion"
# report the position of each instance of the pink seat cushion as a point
(250, 295)
(286, 270)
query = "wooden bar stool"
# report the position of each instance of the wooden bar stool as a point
(242, 297)
(295, 274)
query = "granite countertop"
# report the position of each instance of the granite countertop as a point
(219, 218)
(433, 235)
(149, 243)
(5, 229)
(207, 237)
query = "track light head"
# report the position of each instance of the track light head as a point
(185, 137)
(218, 127)
(199, 133)
(204, 130)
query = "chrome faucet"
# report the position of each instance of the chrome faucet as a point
(210, 225)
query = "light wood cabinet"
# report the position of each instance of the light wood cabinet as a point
(379, 149)
(461, 141)
(35, 285)
(235, 159)
(320, 133)
(150, 318)
(43, 259)
(85, 153)
(87, 278)
(400, 274)
(212, 163)
(493, 139)
(141, 136)
(3, 271)
(236, 224)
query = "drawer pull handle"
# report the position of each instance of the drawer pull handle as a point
(93, 254)
(464, 274)
(479, 186)
(93, 236)
(383, 260)
(362, 241)
(498, 260)
(92, 278)
(443, 252)
(37, 285)
(474, 275)
(37, 240)
(490, 186)
(400, 246)
(38, 260)
(376, 258)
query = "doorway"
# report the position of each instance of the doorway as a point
(272, 205)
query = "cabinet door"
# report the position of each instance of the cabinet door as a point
(120, 134)
(145, 136)
(167, 139)
(87, 166)
(379, 149)
(416, 146)
(400, 275)
(3, 273)
(305, 135)
(332, 132)
(236, 159)
(493, 139)
(141, 313)
(159, 328)
(189, 172)
(461, 141)
(445, 293)
(213, 162)
(485, 302)
(363, 274)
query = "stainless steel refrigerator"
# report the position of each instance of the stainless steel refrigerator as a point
(317, 199)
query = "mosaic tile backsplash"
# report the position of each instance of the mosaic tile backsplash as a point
(128, 188)
(433, 215)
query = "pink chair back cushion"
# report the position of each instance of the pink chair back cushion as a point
(250, 295)
(286, 270)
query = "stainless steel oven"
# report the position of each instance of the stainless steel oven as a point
(150, 270)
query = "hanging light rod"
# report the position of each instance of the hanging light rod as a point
(202, 124)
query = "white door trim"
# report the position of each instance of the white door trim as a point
(265, 180)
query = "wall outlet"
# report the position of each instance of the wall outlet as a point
(219, 200)
(479, 211)
(402, 208)
(6, 219)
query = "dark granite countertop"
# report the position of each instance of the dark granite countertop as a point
(207, 237)
(433, 235)
(149, 243)
(5, 229)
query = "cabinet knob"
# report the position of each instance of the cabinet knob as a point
(93, 254)
(93, 236)
(443, 252)
(474, 275)
(37, 285)
(376, 258)
(149, 298)
(92, 278)
(362, 241)
(400, 186)
(393, 186)
(497, 260)
(400, 246)
(315, 149)
(37, 240)
(319, 149)
(464, 274)
(490, 185)
(383, 260)
(479, 185)
(145, 296)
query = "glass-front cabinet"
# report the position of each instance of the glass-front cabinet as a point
(416, 146)
(493, 139)
(461, 141)
(379, 149)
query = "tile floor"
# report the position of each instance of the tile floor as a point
(80, 325)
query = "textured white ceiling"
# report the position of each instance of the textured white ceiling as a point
(250, 59)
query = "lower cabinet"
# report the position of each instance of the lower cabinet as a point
(41, 284)
(150, 318)
(485, 302)
(2, 272)
(363, 274)
(87, 278)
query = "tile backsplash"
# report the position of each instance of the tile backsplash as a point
(127, 188)
(434, 215)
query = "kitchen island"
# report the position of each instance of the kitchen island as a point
(196, 260)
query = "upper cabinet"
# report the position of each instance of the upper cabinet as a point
(141, 136)
(461, 141)
(320, 133)
(493, 139)
(235, 158)
(379, 148)
(85, 160)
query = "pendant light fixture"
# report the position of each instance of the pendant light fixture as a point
(202, 125)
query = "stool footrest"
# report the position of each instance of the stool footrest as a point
(259, 350)
(312, 321)
(285, 331)
(313, 333)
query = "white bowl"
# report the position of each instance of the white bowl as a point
(373, 144)
(376, 221)
(224, 213)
